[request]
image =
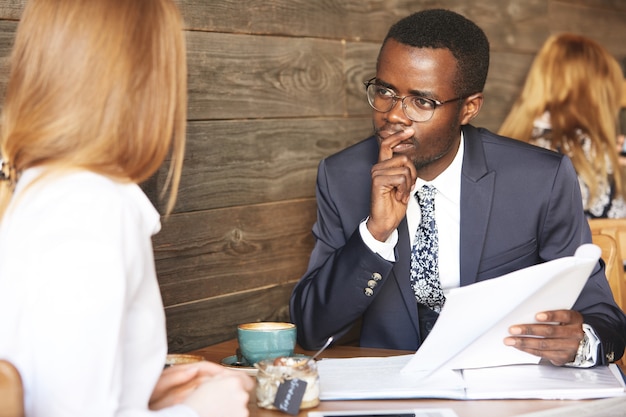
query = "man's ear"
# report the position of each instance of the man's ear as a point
(471, 107)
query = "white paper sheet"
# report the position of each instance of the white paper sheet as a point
(380, 378)
(543, 381)
(608, 407)
(474, 321)
(374, 377)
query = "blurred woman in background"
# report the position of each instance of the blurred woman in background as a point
(570, 103)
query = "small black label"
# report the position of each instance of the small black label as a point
(289, 396)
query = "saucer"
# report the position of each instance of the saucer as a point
(231, 361)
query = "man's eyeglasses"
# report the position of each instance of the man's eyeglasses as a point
(416, 108)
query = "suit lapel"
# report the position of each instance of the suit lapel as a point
(477, 187)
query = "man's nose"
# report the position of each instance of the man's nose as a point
(397, 114)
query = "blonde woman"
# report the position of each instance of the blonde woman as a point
(570, 103)
(96, 100)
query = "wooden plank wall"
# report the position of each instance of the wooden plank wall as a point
(274, 86)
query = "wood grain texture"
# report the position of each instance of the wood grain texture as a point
(605, 25)
(242, 162)
(328, 19)
(11, 9)
(357, 20)
(613, 5)
(7, 34)
(223, 251)
(194, 325)
(360, 66)
(239, 76)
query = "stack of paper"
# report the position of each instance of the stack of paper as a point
(380, 378)
(464, 356)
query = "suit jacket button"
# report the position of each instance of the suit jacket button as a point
(369, 292)
(376, 276)
(371, 283)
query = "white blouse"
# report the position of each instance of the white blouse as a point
(81, 314)
(608, 203)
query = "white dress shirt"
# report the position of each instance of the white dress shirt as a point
(447, 217)
(81, 311)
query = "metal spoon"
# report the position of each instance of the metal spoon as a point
(312, 358)
(240, 360)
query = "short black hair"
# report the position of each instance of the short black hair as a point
(439, 28)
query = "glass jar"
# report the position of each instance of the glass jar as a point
(273, 373)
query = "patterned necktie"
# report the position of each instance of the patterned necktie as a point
(425, 253)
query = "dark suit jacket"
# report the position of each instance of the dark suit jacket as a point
(520, 205)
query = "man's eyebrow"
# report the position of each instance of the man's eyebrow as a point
(384, 84)
(425, 94)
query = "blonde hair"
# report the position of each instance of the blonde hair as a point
(97, 85)
(580, 83)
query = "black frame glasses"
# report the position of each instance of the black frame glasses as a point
(419, 109)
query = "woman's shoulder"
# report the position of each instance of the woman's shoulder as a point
(82, 197)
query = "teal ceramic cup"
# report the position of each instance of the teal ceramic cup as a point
(266, 340)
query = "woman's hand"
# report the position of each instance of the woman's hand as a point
(225, 394)
(179, 381)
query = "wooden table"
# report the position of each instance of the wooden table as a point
(469, 408)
